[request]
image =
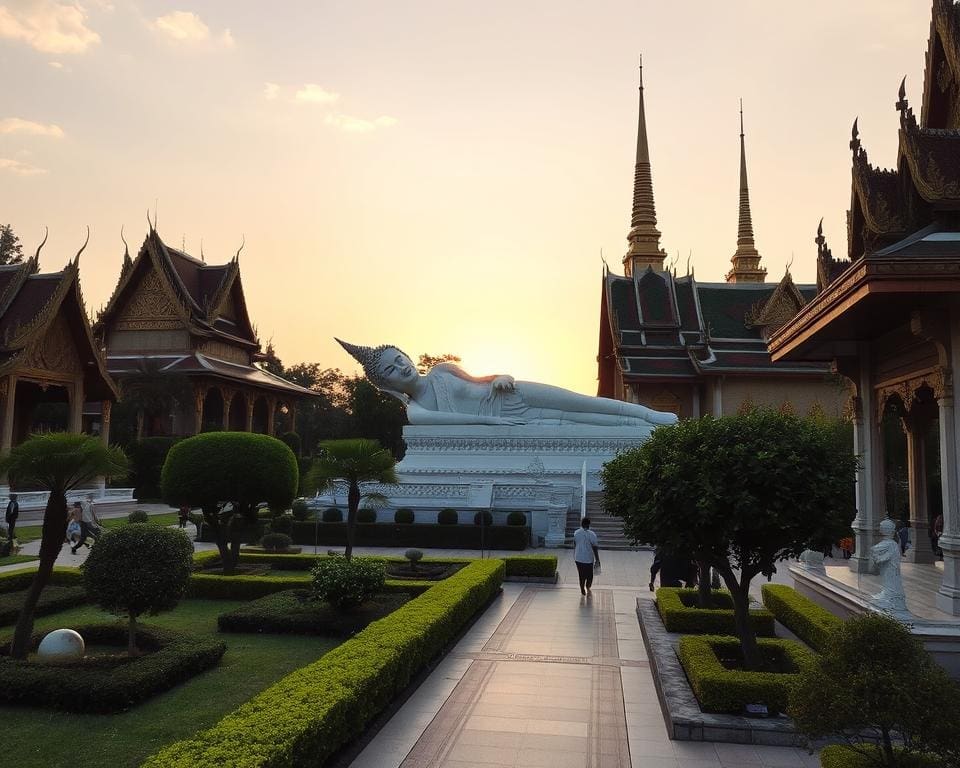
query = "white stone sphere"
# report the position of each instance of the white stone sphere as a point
(61, 645)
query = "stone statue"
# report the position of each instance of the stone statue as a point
(887, 556)
(448, 395)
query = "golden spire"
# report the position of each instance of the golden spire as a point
(746, 259)
(644, 238)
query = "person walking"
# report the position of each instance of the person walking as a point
(183, 515)
(13, 512)
(586, 554)
(89, 523)
(655, 566)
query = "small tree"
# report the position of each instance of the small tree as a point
(137, 569)
(227, 474)
(739, 494)
(346, 584)
(11, 250)
(355, 461)
(875, 686)
(57, 462)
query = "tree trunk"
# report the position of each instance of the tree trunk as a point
(741, 617)
(51, 542)
(703, 584)
(132, 636)
(889, 759)
(353, 503)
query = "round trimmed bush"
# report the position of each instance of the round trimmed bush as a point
(366, 515)
(300, 510)
(483, 518)
(154, 563)
(281, 524)
(292, 439)
(137, 516)
(448, 517)
(403, 516)
(345, 584)
(516, 518)
(276, 542)
(332, 515)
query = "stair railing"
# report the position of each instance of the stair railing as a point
(583, 491)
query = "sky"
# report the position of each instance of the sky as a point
(441, 175)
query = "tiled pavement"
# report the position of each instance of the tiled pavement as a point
(548, 678)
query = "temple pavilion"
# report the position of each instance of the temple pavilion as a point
(174, 317)
(693, 348)
(887, 317)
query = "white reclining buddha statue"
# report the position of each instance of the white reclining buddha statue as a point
(448, 395)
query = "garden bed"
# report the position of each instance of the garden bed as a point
(108, 682)
(53, 598)
(294, 611)
(423, 571)
(679, 612)
(810, 622)
(840, 756)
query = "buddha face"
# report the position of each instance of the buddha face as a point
(395, 370)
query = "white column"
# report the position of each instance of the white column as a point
(867, 446)
(696, 401)
(948, 597)
(920, 552)
(718, 396)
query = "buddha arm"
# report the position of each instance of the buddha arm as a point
(457, 371)
(418, 415)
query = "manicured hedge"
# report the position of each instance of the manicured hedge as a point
(53, 598)
(425, 535)
(678, 617)
(719, 689)
(531, 565)
(210, 586)
(14, 581)
(113, 685)
(810, 622)
(292, 611)
(309, 714)
(840, 756)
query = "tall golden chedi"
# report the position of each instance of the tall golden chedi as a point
(746, 259)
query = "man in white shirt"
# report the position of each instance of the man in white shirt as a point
(586, 553)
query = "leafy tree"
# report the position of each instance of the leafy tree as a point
(227, 475)
(357, 461)
(738, 494)
(377, 416)
(345, 583)
(155, 563)
(882, 684)
(11, 250)
(270, 360)
(425, 362)
(57, 462)
(153, 395)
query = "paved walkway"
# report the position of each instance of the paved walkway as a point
(549, 678)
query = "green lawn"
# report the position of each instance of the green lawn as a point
(14, 559)
(26, 533)
(46, 739)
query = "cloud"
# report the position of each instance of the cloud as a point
(350, 124)
(271, 91)
(186, 27)
(311, 93)
(20, 169)
(56, 64)
(9, 125)
(48, 26)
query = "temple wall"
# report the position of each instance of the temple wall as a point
(672, 398)
(135, 342)
(803, 396)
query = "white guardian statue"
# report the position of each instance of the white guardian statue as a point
(886, 556)
(448, 395)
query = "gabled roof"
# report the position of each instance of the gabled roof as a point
(199, 291)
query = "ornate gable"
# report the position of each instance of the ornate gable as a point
(149, 307)
(782, 306)
(55, 352)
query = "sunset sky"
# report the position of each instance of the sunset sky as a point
(440, 175)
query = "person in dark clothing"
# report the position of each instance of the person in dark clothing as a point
(677, 571)
(184, 515)
(655, 566)
(13, 512)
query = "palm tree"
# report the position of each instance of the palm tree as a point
(357, 461)
(151, 393)
(57, 462)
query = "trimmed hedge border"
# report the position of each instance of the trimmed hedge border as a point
(14, 581)
(680, 618)
(88, 687)
(723, 690)
(422, 535)
(810, 622)
(531, 565)
(54, 598)
(839, 756)
(306, 716)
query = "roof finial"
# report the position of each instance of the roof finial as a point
(741, 118)
(76, 259)
(641, 70)
(790, 263)
(746, 259)
(902, 104)
(126, 248)
(855, 136)
(150, 223)
(46, 234)
(236, 258)
(156, 202)
(689, 256)
(202, 257)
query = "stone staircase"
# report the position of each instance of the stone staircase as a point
(609, 529)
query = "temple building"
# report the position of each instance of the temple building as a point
(176, 319)
(887, 317)
(693, 348)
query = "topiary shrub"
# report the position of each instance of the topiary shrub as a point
(228, 475)
(292, 441)
(883, 686)
(300, 510)
(345, 584)
(448, 517)
(155, 564)
(276, 542)
(138, 516)
(414, 556)
(483, 518)
(332, 515)
(516, 518)
(403, 516)
(366, 515)
(281, 524)
(146, 463)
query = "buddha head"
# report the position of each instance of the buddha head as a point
(887, 528)
(388, 368)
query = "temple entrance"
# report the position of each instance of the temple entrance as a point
(40, 408)
(212, 419)
(237, 418)
(261, 415)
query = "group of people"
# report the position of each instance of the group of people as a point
(675, 570)
(82, 524)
